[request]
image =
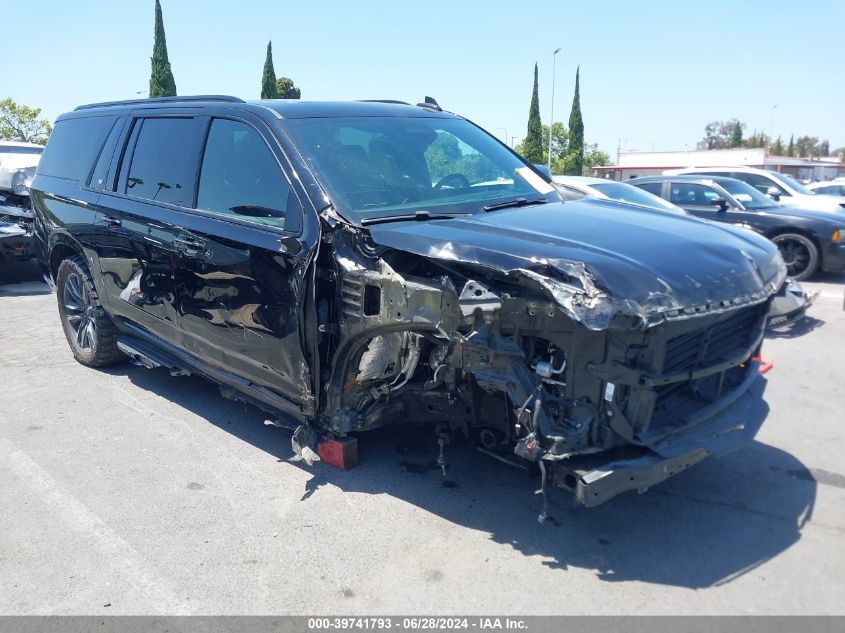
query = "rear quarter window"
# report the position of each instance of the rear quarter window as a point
(74, 146)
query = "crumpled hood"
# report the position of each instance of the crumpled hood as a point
(607, 264)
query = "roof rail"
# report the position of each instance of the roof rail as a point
(384, 101)
(105, 104)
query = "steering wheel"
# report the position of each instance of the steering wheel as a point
(459, 179)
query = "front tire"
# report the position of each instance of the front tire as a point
(800, 254)
(88, 329)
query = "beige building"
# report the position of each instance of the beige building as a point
(632, 164)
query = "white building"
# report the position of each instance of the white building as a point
(632, 164)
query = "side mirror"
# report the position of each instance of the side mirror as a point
(773, 193)
(544, 169)
(721, 203)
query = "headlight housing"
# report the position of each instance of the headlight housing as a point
(838, 235)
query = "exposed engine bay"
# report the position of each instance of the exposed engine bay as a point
(510, 365)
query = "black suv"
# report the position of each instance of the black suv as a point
(350, 265)
(808, 240)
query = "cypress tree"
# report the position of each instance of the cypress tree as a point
(790, 149)
(736, 135)
(533, 144)
(576, 131)
(162, 83)
(268, 79)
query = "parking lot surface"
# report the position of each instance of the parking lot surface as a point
(128, 491)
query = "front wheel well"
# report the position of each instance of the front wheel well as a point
(60, 253)
(789, 229)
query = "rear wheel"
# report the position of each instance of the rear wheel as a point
(89, 331)
(800, 254)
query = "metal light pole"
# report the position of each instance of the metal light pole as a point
(552, 112)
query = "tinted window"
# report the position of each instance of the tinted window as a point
(73, 146)
(655, 188)
(760, 183)
(692, 194)
(98, 177)
(833, 190)
(240, 175)
(163, 162)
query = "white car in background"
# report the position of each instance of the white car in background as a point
(830, 187)
(17, 166)
(778, 186)
(580, 186)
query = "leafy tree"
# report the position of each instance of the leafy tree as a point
(444, 156)
(736, 135)
(268, 78)
(575, 156)
(533, 143)
(20, 123)
(162, 83)
(594, 157)
(560, 141)
(824, 148)
(285, 89)
(777, 148)
(790, 150)
(807, 146)
(718, 134)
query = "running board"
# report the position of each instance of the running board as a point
(138, 356)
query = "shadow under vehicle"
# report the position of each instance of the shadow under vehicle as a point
(347, 266)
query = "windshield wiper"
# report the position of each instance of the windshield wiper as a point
(519, 202)
(419, 216)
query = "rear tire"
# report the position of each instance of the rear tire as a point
(88, 329)
(800, 254)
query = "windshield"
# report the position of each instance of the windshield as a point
(746, 195)
(792, 183)
(375, 167)
(635, 195)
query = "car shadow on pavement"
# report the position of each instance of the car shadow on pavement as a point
(706, 526)
(799, 328)
(21, 279)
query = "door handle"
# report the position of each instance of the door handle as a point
(189, 247)
(110, 222)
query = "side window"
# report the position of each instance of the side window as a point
(101, 169)
(240, 176)
(73, 146)
(760, 183)
(163, 161)
(652, 187)
(692, 194)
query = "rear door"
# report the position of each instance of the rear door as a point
(241, 295)
(142, 239)
(698, 199)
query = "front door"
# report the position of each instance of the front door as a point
(242, 291)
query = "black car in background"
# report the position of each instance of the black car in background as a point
(350, 265)
(808, 240)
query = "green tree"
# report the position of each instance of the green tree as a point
(21, 123)
(162, 83)
(560, 141)
(824, 148)
(533, 143)
(736, 135)
(777, 148)
(575, 158)
(268, 78)
(594, 157)
(790, 150)
(285, 89)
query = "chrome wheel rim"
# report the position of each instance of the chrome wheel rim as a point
(79, 312)
(795, 254)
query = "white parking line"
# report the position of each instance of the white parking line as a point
(119, 553)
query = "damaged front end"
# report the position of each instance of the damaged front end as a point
(536, 356)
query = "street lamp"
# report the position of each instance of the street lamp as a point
(552, 112)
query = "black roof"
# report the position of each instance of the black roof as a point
(287, 108)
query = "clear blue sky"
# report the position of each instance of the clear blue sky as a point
(653, 73)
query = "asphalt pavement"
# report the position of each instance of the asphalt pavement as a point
(129, 491)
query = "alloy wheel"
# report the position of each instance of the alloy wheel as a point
(80, 312)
